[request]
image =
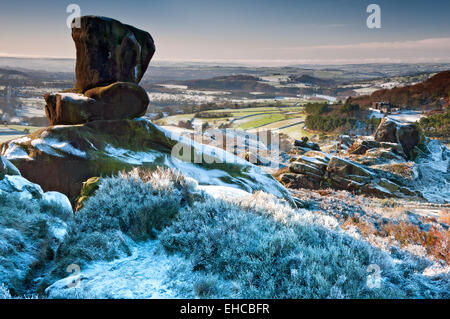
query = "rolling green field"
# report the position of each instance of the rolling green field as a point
(288, 119)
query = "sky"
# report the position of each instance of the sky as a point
(257, 32)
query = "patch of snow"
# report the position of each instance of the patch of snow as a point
(41, 145)
(18, 184)
(15, 151)
(130, 157)
(21, 140)
(59, 233)
(143, 275)
(73, 97)
(224, 191)
(58, 198)
(65, 147)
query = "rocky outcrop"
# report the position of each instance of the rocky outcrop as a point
(111, 59)
(12, 182)
(109, 51)
(120, 100)
(303, 143)
(94, 131)
(409, 136)
(318, 170)
(7, 168)
(61, 158)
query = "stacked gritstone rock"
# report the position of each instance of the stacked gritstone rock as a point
(111, 59)
(99, 133)
(364, 168)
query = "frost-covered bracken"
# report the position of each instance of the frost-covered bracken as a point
(253, 246)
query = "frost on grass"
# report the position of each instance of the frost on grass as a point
(253, 246)
(269, 250)
(28, 239)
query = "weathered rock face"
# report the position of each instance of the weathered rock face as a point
(111, 59)
(7, 168)
(303, 143)
(109, 51)
(407, 135)
(120, 100)
(61, 158)
(386, 131)
(318, 170)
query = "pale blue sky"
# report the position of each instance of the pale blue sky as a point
(253, 31)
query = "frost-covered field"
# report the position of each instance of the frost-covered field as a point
(160, 235)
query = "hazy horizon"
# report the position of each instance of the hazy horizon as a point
(245, 32)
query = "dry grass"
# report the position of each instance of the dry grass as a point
(435, 241)
(280, 172)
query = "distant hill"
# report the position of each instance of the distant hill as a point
(246, 83)
(425, 94)
(308, 79)
(7, 74)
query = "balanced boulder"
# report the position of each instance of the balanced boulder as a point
(111, 59)
(109, 51)
(120, 100)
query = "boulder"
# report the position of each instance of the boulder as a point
(386, 131)
(61, 158)
(109, 51)
(303, 143)
(344, 168)
(296, 181)
(361, 146)
(7, 168)
(408, 136)
(320, 170)
(120, 100)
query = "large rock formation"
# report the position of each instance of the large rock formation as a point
(111, 59)
(61, 158)
(317, 170)
(381, 165)
(97, 133)
(109, 51)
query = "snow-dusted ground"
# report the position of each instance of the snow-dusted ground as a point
(143, 275)
(402, 117)
(433, 173)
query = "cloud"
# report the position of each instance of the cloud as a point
(32, 56)
(429, 44)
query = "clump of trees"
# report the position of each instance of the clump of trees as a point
(212, 115)
(316, 108)
(437, 125)
(349, 107)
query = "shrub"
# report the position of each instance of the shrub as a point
(129, 207)
(272, 251)
(316, 108)
(28, 239)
